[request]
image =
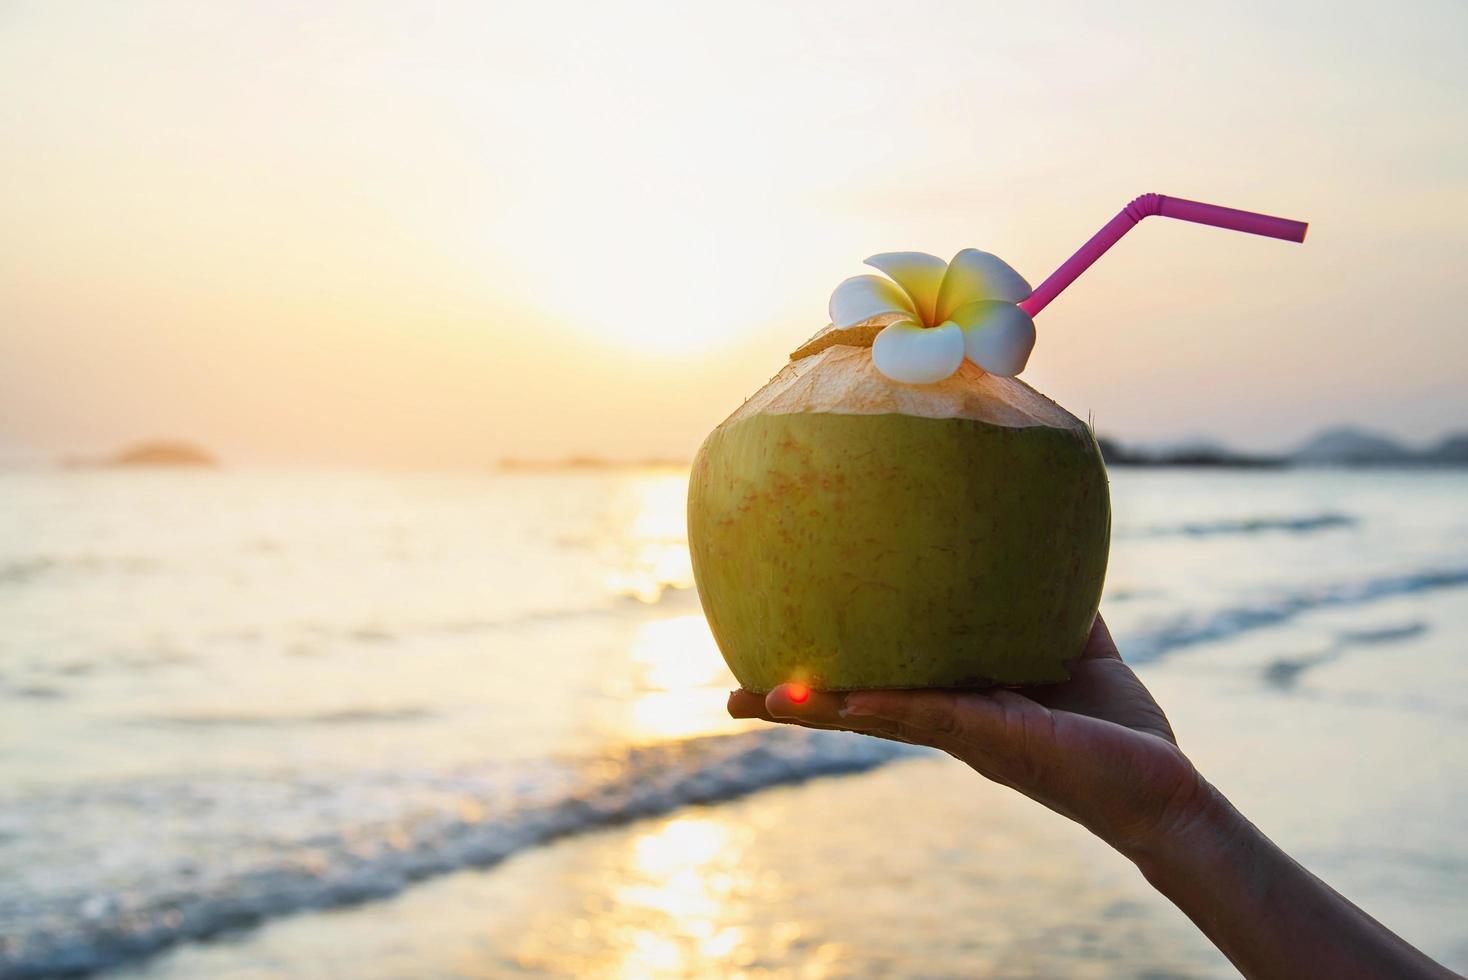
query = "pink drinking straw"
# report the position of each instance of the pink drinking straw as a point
(1168, 207)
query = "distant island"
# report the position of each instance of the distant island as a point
(1341, 446)
(160, 452)
(1193, 454)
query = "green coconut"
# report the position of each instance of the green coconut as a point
(849, 532)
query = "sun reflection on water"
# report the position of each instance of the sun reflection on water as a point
(698, 894)
(677, 654)
(681, 681)
(652, 536)
(684, 876)
(677, 684)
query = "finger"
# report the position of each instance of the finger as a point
(907, 716)
(796, 704)
(935, 713)
(1100, 645)
(799, 701)
(980, 727)
(747, 704)
(1002, 734)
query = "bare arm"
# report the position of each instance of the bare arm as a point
(1099, 750)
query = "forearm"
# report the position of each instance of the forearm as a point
(1269, 916)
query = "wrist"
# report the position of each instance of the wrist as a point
(1199, 820)
(1203, 831)
(1266, 913)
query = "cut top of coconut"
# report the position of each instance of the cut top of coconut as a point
(862, 334)
(840, 378)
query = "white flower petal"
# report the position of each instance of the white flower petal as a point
(998, 336)
(917, 355)
(975, 275)
(919, 274)
(862, 297)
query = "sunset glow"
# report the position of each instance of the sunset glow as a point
(376, 234)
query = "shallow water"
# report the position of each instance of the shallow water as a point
(472, 725)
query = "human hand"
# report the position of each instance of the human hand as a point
(1099, 750)
(1096, 749)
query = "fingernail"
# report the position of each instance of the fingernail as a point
(853, 707)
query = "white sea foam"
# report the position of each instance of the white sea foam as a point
(167, 871)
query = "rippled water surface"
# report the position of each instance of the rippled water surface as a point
(278, 724)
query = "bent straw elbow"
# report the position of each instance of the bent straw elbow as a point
(1144, 206)
(1168, 207)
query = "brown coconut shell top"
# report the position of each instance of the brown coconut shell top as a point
(833, 372)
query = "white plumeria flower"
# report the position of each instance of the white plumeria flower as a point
(948, 310)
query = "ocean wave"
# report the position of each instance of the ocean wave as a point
(1381, 634)
(1302, 524)
(126, 870)
(1174, 633)
(345, 716)
(666, 596)
(303, 640)
(23, 570)
(1377, 700)
(35, 692)
(1284, 672)
(19, 570)
(171, 873)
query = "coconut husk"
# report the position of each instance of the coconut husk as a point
(833, 372)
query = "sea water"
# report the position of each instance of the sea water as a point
(295, 723)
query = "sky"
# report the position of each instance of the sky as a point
(442, 233)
